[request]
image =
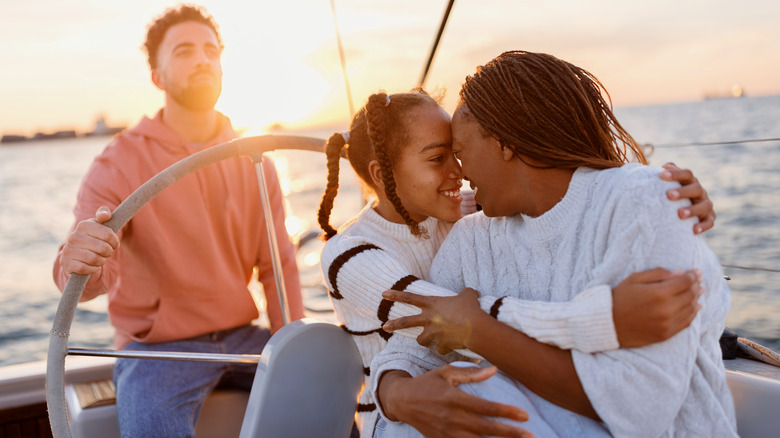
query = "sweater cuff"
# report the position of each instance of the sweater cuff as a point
(592, 327)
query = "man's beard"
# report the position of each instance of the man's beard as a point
(197, 97)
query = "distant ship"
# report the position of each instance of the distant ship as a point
(102, 128)
(736, 91)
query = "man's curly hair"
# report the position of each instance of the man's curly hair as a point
(171, 17)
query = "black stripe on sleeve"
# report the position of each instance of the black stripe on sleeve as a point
(339, 261)
(385, 335)
(495, 307)
(366, 407)
(383, 313)
(403, 283)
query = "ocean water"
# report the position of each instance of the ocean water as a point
(39, 181)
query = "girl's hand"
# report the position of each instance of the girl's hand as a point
(447, 321)
(691, 189)
(652, 306)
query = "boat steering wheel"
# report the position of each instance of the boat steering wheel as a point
(253, 147)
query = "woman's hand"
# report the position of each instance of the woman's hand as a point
(432, 404)
(445, 320)
(691, 189)
(652, 306)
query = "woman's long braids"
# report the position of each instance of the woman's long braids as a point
(549, 110)
(333, 148)
(377, 132)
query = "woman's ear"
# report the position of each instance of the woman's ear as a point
(375, 170)
(506, 152)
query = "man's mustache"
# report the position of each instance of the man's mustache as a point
(203, 71)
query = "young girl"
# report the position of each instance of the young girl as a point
(400, 147)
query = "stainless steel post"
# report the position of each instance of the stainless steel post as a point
(276, 262)
(166, 355)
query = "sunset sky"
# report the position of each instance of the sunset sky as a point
(62, 63)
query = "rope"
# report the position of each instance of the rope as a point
(424, 74)
(343, 60)
(750, 268)
(712, 143)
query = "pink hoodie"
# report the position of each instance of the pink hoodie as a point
(185, 259)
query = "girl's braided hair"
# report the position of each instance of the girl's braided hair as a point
(377, 132)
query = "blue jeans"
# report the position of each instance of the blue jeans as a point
(545, 419)
(162, 398)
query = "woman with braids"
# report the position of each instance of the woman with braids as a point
(400, 147)
(562, 212)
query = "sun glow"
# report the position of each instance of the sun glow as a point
(269, 76)
(254, 96)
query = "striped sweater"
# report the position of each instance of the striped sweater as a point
(371, 255)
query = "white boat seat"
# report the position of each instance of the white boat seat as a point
(755, 387)
(220, 417)
(306, 385)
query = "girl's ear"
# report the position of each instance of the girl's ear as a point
(375, 170)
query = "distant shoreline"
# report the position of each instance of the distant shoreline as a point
(60, 135)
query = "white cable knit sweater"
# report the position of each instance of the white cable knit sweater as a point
(610, 224)
(371, 255)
